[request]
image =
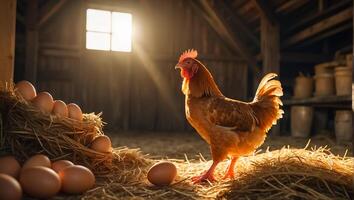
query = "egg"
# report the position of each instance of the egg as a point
(162, 173)
(37, 160)
(76, 179)
(102, 144)
(26, 90)
(10, 166)
(75, 111)
(44, 102)
(40, 182)
(10, 189)
(60, 109)
(61, 164)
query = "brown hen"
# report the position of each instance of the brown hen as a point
(232, 128)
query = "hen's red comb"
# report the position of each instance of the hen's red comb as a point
(190, 53)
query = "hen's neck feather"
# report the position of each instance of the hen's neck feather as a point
(201, 84)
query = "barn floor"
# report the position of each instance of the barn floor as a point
(177, 145)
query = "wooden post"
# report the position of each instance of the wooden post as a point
(31, 41)
(270, 51)
(270, 46)
(7, 39)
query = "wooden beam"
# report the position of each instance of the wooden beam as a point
(270, 46)
(299, 57)
(289, 6)
(7, 40)
(320, 27)
(317, 16)
(234, 43)
(296, 57)
(265, 10)
(50, 10)
(240, 25)
(31, 41)
(335, 101)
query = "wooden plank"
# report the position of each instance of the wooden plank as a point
(320, 27)
(299, 57)
(54, 75)
(317, 16)
(206, 57)
(31, 41)
(327, 34)
(266, 11)
(289, 6)
(47, 45)
(223, 31)
(240, 25)
(270, 47)
(326, 101)
(48, 11)
(59, 53)
(7, 40)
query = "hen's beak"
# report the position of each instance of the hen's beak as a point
(178, 66)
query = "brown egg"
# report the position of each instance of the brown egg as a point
(61, 164)
(76, 179)
(40, 182)
(60, 109)
(10, 166)
(37, 160)
(102, 144)
(10, 189)
(44, 102)
(26, 90)
(75, 111)
(162, 173)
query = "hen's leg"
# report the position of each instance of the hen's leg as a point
(206, 176)
(230, 172)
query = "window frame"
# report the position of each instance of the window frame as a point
(111, 8)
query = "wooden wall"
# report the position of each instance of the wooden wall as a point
(138, 90)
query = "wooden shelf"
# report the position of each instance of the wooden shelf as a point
(327, 101)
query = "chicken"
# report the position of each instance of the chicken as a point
(232, 128)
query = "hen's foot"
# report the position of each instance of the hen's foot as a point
(230, 174)
(203, 178)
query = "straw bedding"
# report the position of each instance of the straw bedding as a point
(282, 174)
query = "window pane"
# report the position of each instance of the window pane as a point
(121, 42)
(99, 41)
(122, 31)
(98, 20)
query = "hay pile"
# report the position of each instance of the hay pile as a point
(25, 131)
(281, 174)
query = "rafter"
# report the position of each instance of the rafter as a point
(320, 27)
(266, 11)
(49, 10)
(240, 25)
(232, 41)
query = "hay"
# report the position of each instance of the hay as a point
(286, 173)
(26, 131)
(281, 174)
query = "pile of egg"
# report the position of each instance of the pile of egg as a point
(44, 102)
(40, 178)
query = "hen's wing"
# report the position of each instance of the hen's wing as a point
(231, 114)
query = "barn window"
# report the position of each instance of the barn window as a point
(107, 30)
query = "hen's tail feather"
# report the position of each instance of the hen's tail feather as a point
(266, 103)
